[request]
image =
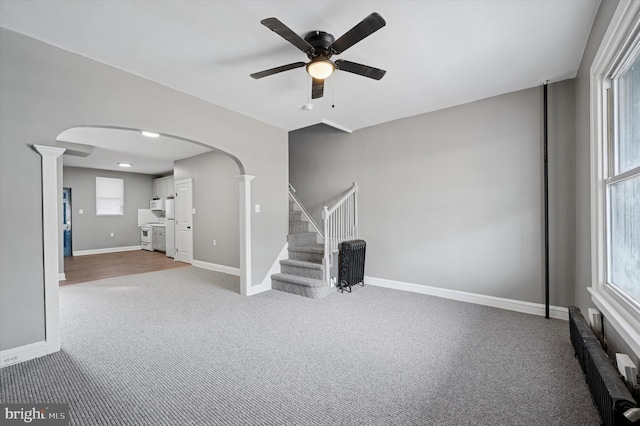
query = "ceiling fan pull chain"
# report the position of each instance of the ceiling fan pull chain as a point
(333, 92)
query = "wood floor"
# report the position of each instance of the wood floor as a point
(80, 269)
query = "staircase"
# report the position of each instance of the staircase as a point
(307, 271)
(303, 272)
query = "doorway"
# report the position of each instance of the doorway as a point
(184, 220)
(66, 222)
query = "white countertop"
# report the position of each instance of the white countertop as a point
(154, 224)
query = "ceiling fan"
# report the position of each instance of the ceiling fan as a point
(320, 46)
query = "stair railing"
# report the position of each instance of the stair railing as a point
(292, 194)
(340, 224)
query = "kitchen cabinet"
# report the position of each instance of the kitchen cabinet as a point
(159, 238)
(167, 187)
(163, 187)
(155, 192)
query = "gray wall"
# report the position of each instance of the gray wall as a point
(453, 198)
(322, 166)
(215, 198)
(91, 232)
(44, 91)
(562, 192)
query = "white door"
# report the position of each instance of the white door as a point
(184, 221)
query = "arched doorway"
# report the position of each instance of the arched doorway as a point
(51, 174)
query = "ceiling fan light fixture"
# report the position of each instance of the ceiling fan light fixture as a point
(320, 68)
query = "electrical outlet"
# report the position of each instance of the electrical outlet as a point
(112, 235)
(257, 208)
(80, 211)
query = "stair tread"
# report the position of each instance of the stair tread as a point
(302, 281)
(309, 248)
(301, 263)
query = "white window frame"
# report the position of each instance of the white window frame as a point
(623, 315)
(115, 193)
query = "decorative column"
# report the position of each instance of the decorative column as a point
(245, 233)
(50, 229)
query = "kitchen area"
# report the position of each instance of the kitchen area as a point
(157, 223)
(143, 234)
(153, 209)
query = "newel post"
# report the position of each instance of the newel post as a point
(355, 208)
(327, 245)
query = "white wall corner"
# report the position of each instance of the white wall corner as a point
(556, 312)
(50, 234)
(245, 232)
(265, 285)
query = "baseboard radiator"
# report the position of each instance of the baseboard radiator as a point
(351, 264)
(610, 395)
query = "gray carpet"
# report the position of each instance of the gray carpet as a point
(181, 347)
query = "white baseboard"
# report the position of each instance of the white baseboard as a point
(556, 312)
(22, 353)
(265, 285)
(215, 267)
(62, 276)
(106, 250)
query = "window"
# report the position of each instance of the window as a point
(623, 177)
(109, 196)
(615, 169)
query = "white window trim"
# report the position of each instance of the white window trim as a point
(624, 317)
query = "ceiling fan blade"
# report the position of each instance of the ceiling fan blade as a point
(317, 88)
(365, 28)
(286, 33)
(276, 70)
(363, 70)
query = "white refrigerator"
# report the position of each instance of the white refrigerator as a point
(170, 215)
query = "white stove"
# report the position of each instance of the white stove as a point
(146, 237)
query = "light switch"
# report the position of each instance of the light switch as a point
(194, 210)
(257, 208)
(80, 211)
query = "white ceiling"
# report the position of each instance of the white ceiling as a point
(153, 156)
(437, 53)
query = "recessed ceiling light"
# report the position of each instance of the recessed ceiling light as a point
(124, 164)
(150, 134)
